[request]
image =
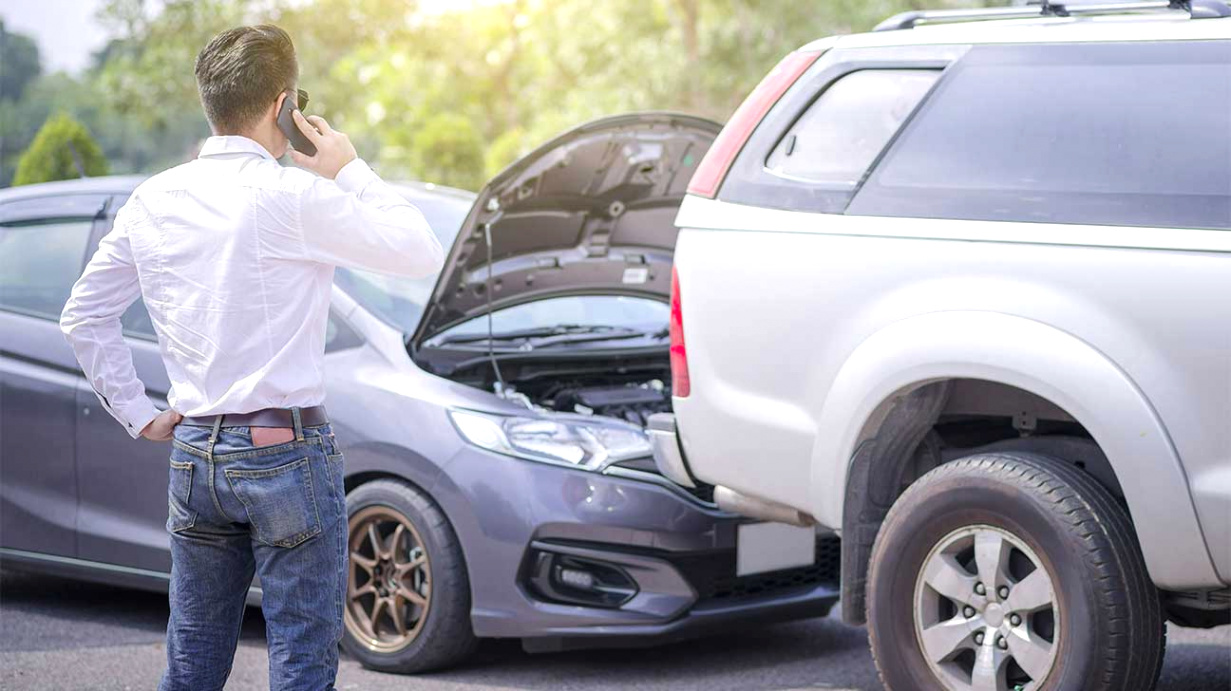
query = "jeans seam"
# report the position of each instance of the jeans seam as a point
(192, 517)
(176, 443)
(312, 497)
(265, 472)
(177, 465)
(213, 488)
(344, 575)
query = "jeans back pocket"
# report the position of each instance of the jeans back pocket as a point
(180, 515)
(280, 502)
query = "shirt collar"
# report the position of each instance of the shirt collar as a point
(232, 144)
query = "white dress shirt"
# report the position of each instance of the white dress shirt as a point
(234, 256)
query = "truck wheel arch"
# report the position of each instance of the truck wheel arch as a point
(907, 365)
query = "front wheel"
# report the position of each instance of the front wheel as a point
(1012, 572)
(408, 595)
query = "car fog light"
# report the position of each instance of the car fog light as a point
(579, 580)
(573, 578)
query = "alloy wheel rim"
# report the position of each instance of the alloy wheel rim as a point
(986, 613)
(389, 580)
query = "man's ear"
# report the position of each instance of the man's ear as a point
(278, 103)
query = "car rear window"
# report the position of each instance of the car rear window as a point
(1125, 134)
(837, 138)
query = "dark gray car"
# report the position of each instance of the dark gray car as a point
(498, 474)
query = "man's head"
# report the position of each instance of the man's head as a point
(242, 75)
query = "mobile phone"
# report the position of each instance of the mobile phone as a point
(286, 123)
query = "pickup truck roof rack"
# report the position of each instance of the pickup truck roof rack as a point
(1197, 9)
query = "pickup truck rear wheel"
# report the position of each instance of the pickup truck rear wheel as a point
(1007, 572)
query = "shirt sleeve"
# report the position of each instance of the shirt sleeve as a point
(91, 325)
(360, 222)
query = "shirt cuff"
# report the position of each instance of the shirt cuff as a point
(355, 176)
(137, 415)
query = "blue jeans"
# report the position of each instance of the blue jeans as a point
(235, 510)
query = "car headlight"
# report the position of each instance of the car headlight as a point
(580, 441)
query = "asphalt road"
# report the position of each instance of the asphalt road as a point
(64, 635)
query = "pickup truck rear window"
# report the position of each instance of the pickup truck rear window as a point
(840, 135)
(1124, 134)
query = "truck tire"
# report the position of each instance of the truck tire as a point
(402, 546)
(1069, 605)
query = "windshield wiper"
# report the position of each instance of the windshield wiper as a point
(535, 332)
(541, 337)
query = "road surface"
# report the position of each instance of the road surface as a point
(65, 635)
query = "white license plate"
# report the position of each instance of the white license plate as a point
(762, 547)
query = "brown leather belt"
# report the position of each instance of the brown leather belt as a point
(267, 417)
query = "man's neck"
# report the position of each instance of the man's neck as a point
(265, 139)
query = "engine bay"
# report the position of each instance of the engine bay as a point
(632, 402)
(629, 387)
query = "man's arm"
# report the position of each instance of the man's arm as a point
(91, 324)
(350, 217)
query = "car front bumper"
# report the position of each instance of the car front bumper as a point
(678, 550)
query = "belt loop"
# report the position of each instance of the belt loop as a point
(213, 437)
(297, 417)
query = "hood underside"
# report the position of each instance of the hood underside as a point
(592, 212)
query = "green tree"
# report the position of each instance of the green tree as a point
(522, 71)
(447, 149)
(19, 66)
(19, 63)
(447, 92)
(63, 149)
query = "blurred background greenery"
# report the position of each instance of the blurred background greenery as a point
(448, 91)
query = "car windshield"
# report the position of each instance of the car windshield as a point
(569, 318)
(400, 301)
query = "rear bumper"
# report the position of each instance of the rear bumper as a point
(668, 454)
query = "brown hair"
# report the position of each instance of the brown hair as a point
(241, 72)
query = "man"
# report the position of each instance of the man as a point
(234, 255)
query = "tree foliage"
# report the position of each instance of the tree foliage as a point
(62, 149)
(19, 63)
(449, 92)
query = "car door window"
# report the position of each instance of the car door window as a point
(841, 134)
(39, 262)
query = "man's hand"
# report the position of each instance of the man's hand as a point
(162, 427)
(333, 148)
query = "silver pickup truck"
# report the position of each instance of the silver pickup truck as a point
(960, 293)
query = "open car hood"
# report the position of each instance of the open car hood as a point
(590, 212)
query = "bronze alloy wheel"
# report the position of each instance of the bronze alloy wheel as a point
(389, 587)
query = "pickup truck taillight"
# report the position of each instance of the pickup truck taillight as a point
(739, 128)
(679, 354)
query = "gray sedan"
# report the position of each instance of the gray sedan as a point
(497, 469)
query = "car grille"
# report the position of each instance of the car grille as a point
(713, 575)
